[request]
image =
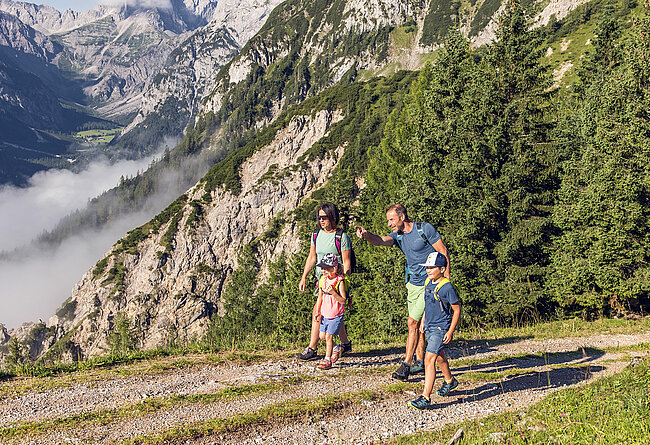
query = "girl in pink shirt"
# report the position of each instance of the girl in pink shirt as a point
(331, 304)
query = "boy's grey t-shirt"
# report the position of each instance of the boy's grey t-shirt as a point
(326, 243)
(416, 250)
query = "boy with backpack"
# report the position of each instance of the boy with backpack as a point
(441, 316)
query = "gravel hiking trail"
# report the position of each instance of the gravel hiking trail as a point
(494, 376)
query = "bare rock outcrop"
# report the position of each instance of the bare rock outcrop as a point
(171, 283)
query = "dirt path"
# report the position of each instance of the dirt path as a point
(521, 381)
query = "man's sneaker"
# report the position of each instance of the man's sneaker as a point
(417, 367)
(402, 372)
(447, 387)
(346, 347)
(325, 364)
(336, 352)
(421, 403)
(307, 354)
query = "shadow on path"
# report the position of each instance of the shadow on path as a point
(534, 380)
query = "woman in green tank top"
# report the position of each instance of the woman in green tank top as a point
(323, 241)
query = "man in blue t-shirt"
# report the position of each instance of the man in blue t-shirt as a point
(416, 240)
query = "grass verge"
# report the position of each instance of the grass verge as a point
(285, 411)
(611, 410)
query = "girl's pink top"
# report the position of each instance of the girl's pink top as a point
(330, 308)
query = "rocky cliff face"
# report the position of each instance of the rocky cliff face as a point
(30, 84)
(169, 292)
(17, 35)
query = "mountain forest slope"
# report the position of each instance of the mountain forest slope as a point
(540, 192)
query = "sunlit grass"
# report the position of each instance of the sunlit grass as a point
(611, 410)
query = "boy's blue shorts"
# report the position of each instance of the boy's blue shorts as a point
(331, 325)
(435, 338)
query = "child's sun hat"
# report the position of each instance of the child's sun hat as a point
(435, 259)
(328, 260)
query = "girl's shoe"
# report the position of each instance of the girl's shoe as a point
(325, 364)
(336, 352)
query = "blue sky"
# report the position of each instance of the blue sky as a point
(62, 5)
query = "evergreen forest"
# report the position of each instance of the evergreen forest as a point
(541, 192)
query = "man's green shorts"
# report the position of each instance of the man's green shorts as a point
(415, 299)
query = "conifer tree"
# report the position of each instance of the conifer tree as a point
(528, 176)
(603, 212)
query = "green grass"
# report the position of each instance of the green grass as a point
(612, 410)
(558, 329)
(96, 137)
(576, 48)
(402, 38)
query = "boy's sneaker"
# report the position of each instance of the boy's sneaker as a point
(402, 372)
(346, 347)
(417, 367)
(307, 354)
(421, 403)
(336, 352)
(447, 387)
(325, 364)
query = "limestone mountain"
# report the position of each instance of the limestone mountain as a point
(172, 98)
(100, 61)
(35, 98)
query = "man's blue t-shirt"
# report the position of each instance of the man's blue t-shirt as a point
(434, 315)
(416, 250)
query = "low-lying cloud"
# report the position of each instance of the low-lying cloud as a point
(28, 212)
(37, 280)
(139, 4)
(35, 286)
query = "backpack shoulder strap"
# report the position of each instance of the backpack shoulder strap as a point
(398, 240)
(418, 226)
(340, 279)
(440, 284)
(314, 235)
(443, 307)
(337, 241)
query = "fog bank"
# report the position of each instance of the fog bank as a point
(28, 212)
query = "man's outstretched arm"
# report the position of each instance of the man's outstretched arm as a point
(373, 239)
